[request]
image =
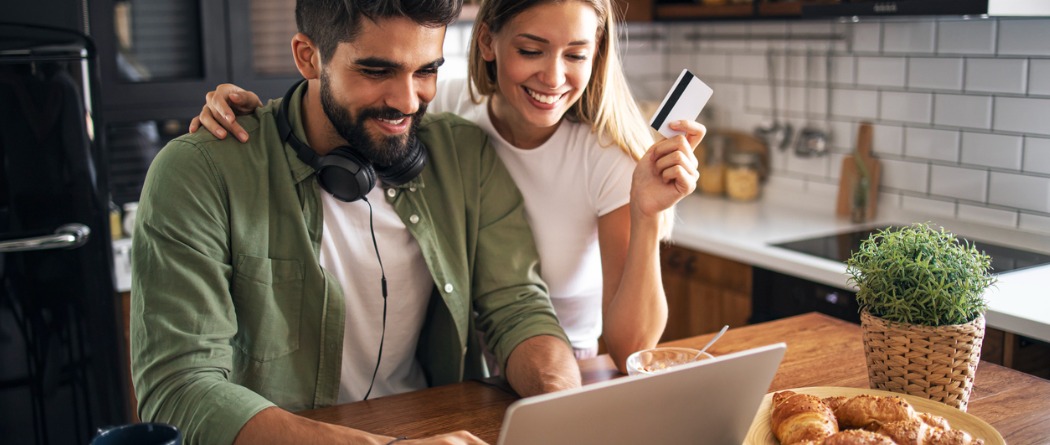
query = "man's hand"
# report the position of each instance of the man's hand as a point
(542, 364)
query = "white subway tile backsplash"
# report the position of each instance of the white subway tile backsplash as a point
(1024, 37)
(1039, 77)
(758, 97)
(1022, 115)
(748, 66)
(961, 183)
(881, 71)
(887, 139)
(1037, 155)
(794, 100)
(1019, 191)
(960, 108)
(906, 107)
(1034, 223)
(811, 166)
(963, 111)
(941, 145)
(966, 37)
(647, 64)
(843, 135)
(677, 39)
(843, 70)
(935, 73)
(710, 65)
(996, 75)
(855, 103)
(927, 206)
(985, 215)
(867, 37)
(730, 98)
(992, 150)
(795, 68)
(908, 37)
(902, 175)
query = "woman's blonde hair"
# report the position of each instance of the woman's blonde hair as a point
(606, 105)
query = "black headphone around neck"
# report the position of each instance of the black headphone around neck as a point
(343, 172)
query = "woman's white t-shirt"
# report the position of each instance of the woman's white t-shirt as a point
(568, 182)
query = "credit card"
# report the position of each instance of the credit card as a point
(684, 101)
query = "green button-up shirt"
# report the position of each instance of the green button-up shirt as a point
(232, 313)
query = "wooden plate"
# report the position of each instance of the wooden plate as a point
(762, 434)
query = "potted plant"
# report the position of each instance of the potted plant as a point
(921, 297)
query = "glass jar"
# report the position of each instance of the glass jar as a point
(713, 168)
(742, 179)
(130, 209)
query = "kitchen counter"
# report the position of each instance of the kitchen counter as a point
(1019, 302)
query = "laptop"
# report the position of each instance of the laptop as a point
(709, 402)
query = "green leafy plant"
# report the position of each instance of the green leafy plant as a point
(918, 275)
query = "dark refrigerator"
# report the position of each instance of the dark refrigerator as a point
(62, 362)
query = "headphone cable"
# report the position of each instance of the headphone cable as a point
(382, 274)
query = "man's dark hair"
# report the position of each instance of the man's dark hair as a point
(331, 22)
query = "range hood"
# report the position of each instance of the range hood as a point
(998, 8)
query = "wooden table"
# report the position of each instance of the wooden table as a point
(822, 351)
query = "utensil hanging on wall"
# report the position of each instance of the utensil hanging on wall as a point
(811, 140)
(778, 134)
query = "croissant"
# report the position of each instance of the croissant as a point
(857, 437)
(797, 418)
(919, 431)
(868, 411)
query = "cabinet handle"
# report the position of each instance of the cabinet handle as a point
(69, 236)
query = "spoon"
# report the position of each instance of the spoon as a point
(713, 340)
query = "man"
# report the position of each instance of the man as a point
(257, 293)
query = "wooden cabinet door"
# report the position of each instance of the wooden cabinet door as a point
(704, 292)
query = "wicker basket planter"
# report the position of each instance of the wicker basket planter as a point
(936, 362)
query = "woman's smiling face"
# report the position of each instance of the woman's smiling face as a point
(544, 57)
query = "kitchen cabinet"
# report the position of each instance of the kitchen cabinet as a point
(704, 292)
(636, 10)
(1016, 351)
(757, 9)
(158, 58)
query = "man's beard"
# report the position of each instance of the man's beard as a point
(388, 150)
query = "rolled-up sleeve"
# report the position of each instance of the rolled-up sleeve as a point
(511, 300)
(182, 312)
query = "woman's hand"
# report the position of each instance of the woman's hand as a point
(220, 111)
(668, 171)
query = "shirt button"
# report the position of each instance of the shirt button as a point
(448, 288)
(413, 219)
(391, 192)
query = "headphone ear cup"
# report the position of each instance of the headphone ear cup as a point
(345, 175)
(408, 168)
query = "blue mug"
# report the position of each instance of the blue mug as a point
(139, 434)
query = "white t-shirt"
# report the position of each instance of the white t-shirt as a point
(568, 183)
(348, 254)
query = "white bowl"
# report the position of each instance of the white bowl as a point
(651, 361)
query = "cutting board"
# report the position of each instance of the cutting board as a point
(851, 175)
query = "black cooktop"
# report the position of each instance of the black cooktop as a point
(838, 247)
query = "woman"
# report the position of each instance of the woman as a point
(547, 85)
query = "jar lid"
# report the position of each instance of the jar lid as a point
(743, 158)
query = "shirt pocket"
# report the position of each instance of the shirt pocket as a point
(268, 296)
